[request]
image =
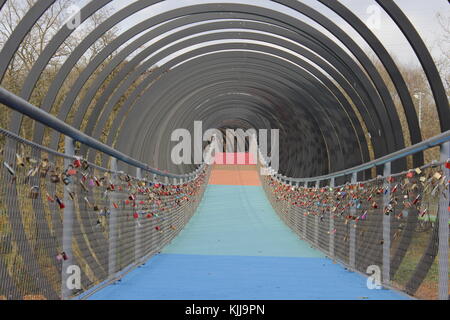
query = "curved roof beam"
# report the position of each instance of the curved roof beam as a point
(63, 72)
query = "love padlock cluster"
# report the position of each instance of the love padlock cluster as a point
(103, 193)
(393, 195)
(29, 168)
(150, 200)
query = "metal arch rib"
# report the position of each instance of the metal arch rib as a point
(424, 56)
(142, 68)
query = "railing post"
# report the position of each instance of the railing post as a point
(69, 149)
(352, 246)
(443, 228)
(316, 222)
(386, 226)
(331, 243)
(137, 229)
(304, 218)
(112, 224)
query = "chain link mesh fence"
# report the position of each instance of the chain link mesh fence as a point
(117, 220)
(350, 224)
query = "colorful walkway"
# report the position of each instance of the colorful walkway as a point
(235, 247)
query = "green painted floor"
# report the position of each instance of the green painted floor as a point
(238, 220)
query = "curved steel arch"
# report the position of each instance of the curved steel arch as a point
(389, 65)
(214, 119)
(373, 87)
(188, 89)
(312, 92)
(60, 78)
(15, 39)
(148, 64)
(242, 85)
(226, 101)
(120, 117)
(424, 56)
(152, 49)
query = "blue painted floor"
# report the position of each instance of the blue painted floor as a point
(236, 247)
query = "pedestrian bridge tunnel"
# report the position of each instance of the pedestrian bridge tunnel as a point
(129, 74)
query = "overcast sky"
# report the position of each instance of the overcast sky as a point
(421, 12)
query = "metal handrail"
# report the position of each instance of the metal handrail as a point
(16, 103)
(421, 146)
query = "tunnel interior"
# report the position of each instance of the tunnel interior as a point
(91, 181)
(231, 65)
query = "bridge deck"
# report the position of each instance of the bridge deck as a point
(236, 247)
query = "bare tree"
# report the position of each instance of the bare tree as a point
(443, 62)
(36, 41)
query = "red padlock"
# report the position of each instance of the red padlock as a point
(77, 163)
(136, 215)
(447, 164)
(71, 172)
(423, 213)
(60, 203)
(49, 198)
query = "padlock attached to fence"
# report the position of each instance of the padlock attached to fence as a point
(66, 179)
(19, 160)
(11, 171)
(77, 163)
(84, 165)
(44, 167)
(54, 177)
(60, 203)
(34, 192)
